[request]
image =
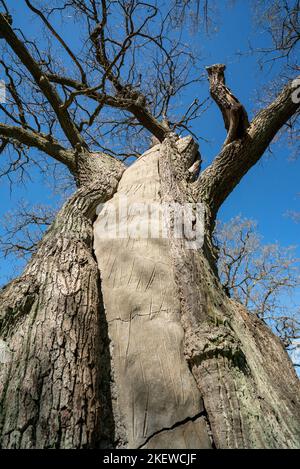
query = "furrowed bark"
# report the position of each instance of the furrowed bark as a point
(55, 389)
(236, 361)
(188, 367)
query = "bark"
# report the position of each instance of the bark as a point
(145, 350)
(52, 319)
(42, 142)
(126, 99)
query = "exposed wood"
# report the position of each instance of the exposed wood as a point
(234, 114)
(172, 331)
(156, 390)
(235, 360)
(220, 178)
(242, 370)
(131, 342)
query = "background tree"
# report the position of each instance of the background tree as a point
(262, 277)
(281, 20)
(294, 214)
(24, 228)
(127, 342)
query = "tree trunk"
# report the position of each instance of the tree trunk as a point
(53, 321)
(145, 351)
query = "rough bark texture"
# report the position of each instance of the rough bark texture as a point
(53, 321)
(148, 354)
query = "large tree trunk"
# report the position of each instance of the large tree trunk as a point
(53, 321)
(145, 350)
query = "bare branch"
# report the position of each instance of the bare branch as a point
(44, 143)
(234, 114)
(236, 158)
(42, 81)
(281, 19)
(23, 229)
(59, 38)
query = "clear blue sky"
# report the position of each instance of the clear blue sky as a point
(270, 189)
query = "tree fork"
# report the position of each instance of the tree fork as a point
(234, 359)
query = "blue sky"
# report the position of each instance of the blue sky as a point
(269, 190)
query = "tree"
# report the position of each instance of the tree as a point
(281, 20)
(24, 228)
(260, 276)
(294, 215)
(132, 342)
